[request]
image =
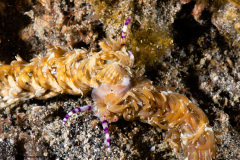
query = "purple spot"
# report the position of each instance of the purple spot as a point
(108, 146)
(79, 109)
(104, 121)
(106, 130)
(89, 108)
(115, 119)
(128, 20)
(123, 36)
(73, 111)
(130, 53)
(108, 140)
(66, 116)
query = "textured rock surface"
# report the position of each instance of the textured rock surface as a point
(203, 62)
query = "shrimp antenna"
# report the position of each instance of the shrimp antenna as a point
(76, 110)
(124, 32)
(104, 122)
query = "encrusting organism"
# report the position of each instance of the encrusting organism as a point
(118, 90)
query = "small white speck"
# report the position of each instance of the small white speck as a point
(184, 142)
(208, 129)
(53, 71)
(11, 141)
(126, 81)
(185, 135)
(166, 92)
(153, 148)
(89, 135)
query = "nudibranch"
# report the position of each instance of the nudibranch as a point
(118, 91)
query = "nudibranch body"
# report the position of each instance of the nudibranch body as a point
(118, 91)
